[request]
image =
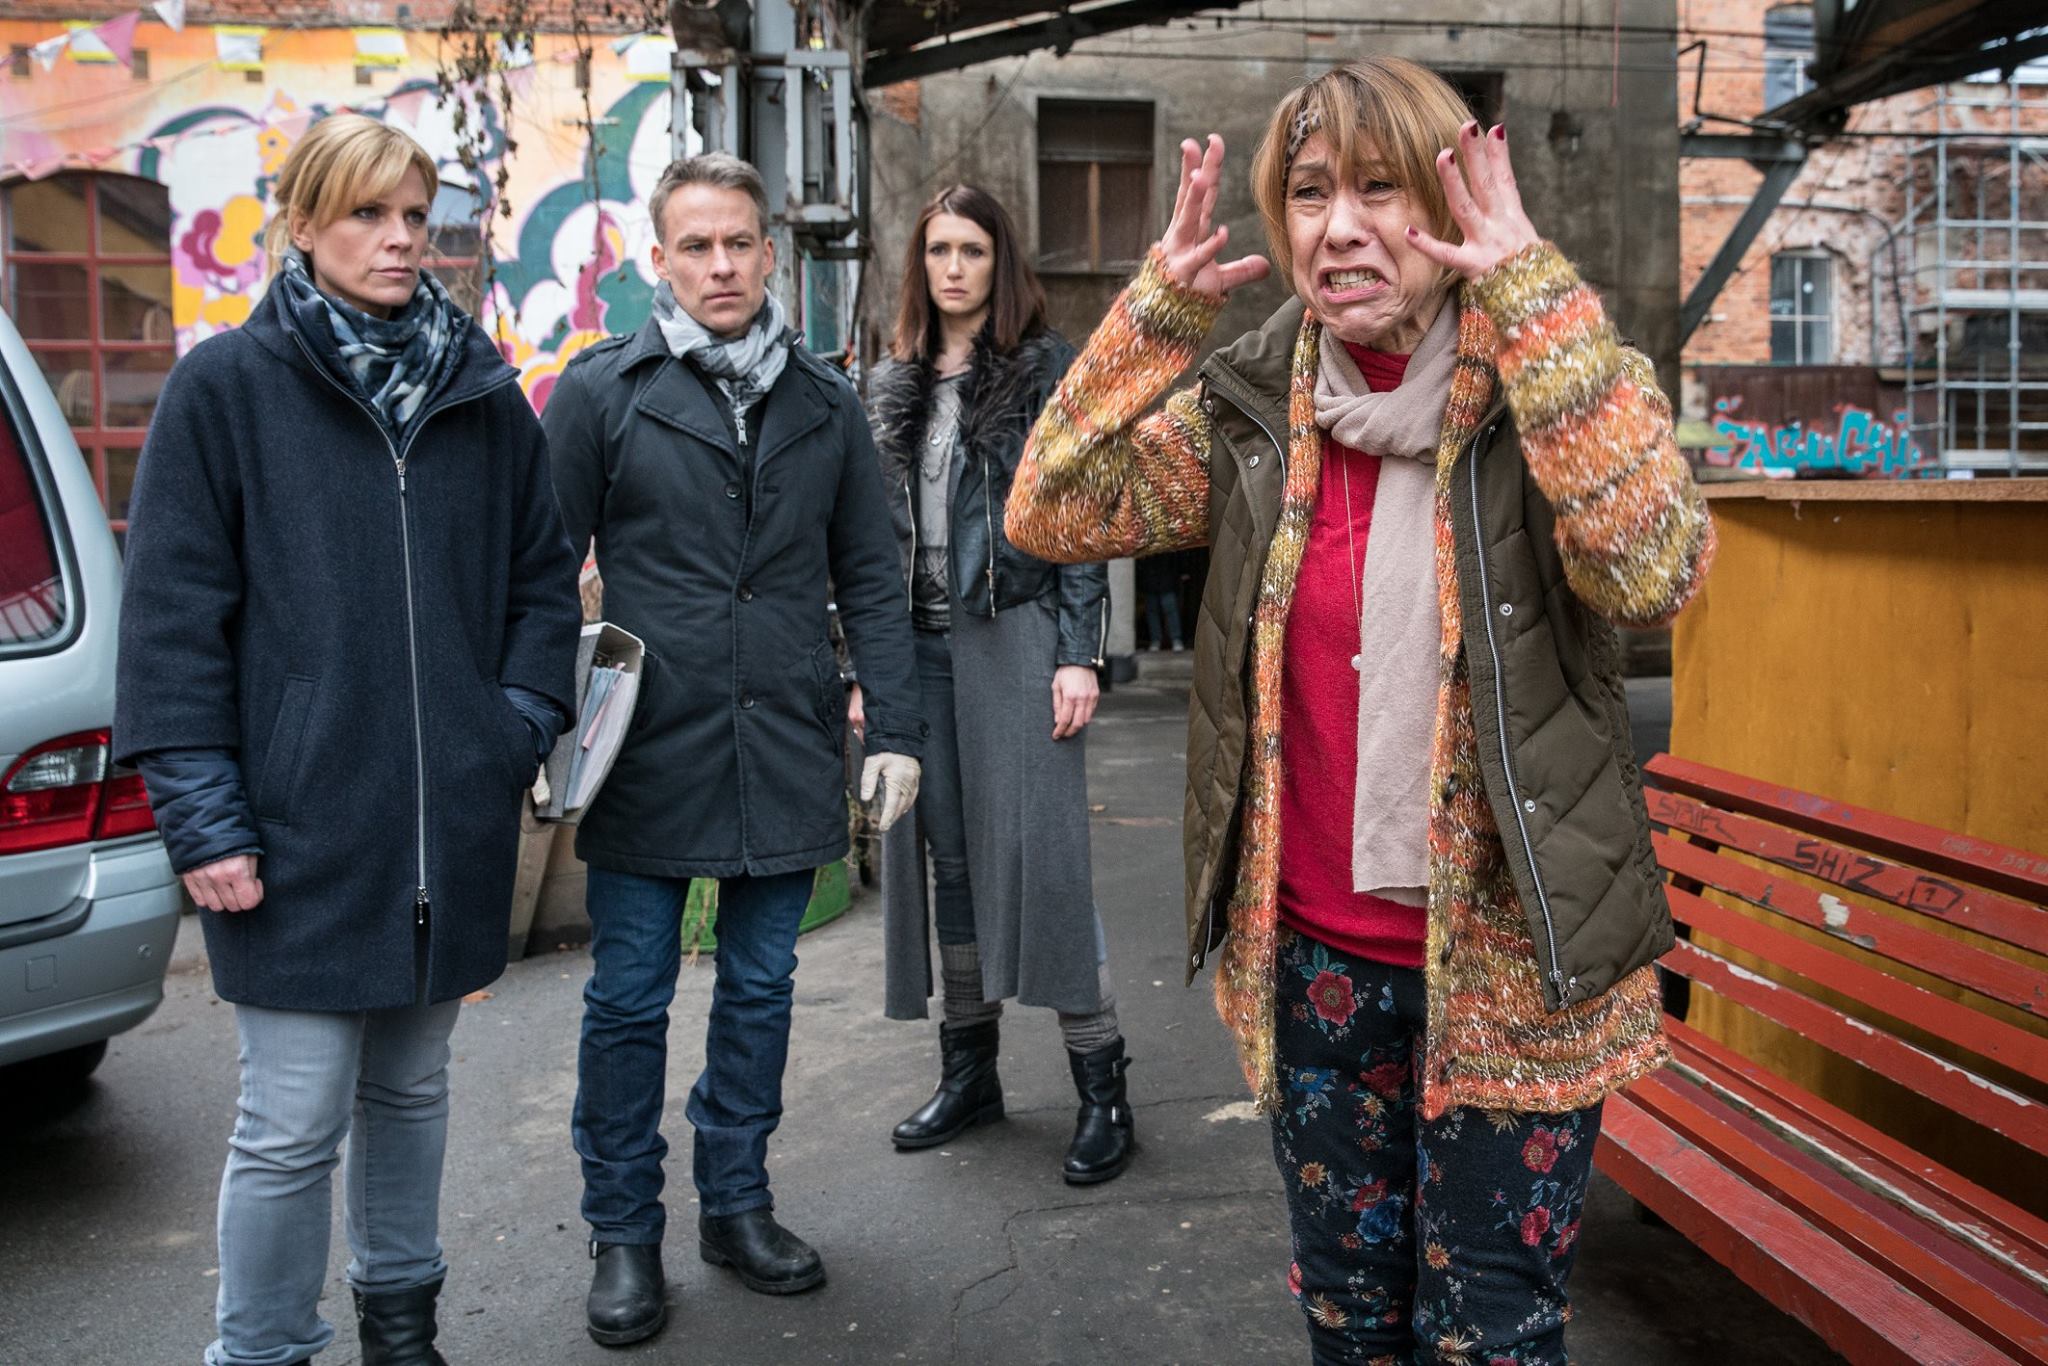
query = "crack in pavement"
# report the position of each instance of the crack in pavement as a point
(956, 1314)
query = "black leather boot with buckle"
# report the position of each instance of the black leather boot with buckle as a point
(969, 1091)
(628, 1293)
(1104, 1134)
(396, 1327)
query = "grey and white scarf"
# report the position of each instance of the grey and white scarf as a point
(745, 367)
(395, 362)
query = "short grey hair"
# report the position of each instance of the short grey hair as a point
(721, 169)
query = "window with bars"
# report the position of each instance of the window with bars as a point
(1802, 308)
(1788, 47)
(87, 270)
(1094, 185)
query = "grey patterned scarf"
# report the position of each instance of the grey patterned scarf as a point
(395, 362)
(746, 367)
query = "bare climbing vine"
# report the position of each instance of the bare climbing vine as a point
(483, 43)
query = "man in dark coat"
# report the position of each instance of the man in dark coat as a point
(732, 487)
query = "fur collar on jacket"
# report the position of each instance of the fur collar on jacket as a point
(1003, 397)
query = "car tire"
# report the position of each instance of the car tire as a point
(58, 1071)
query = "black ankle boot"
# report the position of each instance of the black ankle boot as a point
(1104, 1136)
(396, 1327)
(969, 1091)
(628, 1294)
(768, 1257)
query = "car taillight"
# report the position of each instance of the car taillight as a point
(61, 793)
(124, 809)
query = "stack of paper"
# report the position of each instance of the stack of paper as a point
(608, 664)
(607, 706)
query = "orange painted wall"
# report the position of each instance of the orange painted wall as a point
(1887, 649)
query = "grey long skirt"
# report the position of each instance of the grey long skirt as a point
(1025, 797)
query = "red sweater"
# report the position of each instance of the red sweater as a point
(1319, 717)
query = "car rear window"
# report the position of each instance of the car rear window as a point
(32, 605)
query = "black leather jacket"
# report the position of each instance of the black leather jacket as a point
(1003, 401)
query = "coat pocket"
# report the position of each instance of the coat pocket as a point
(280, 775)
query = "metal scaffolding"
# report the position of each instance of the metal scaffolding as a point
(1976, 232)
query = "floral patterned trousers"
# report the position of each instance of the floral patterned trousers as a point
(1443, 1242)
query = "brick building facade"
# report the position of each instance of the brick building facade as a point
(1845, 280)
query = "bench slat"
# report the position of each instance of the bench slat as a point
(1856, 1309)
(1951, 1289)
(2014, 871)
(1998, 1230)
(1988, 974)
(2015, 922)
(1950, 1021)
(1995, 1107)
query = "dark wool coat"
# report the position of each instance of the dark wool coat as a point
(1025, 795)
(285, 587)
(726, 569)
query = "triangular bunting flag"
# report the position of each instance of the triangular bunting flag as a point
(50, 49)
(408, 103)
(172, 12)
(119, 36)
(520, 80)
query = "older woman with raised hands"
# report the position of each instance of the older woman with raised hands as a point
(1429, 484)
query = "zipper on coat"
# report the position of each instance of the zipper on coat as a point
(910, 575)
(1280, 449)
(422, 903)
(1500, 702)
(988, 503)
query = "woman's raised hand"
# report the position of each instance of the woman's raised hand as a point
(1485, 203)
(1190, 245)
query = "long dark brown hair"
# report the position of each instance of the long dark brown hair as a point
(1016, 299)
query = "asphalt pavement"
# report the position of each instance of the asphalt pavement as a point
(971, 1253)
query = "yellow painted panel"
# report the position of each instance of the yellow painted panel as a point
(1893, 655)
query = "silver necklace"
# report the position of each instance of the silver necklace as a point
(1351, 562)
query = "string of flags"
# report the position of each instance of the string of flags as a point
(112, 41)
(241, 48)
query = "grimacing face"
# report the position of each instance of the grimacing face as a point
(714, 255)
(959, 265)
(1353, 264)
(369, 257)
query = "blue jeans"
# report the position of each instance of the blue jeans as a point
(1162, 618)
(309, 1078)
(622, 1063)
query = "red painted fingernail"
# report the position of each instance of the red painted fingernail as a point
(1471, 129)
(1500, 132)
(1411, 230)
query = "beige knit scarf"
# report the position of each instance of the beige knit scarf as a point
(1399, 629)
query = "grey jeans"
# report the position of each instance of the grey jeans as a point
(309, 1079)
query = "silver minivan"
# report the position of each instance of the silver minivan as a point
(88, 903)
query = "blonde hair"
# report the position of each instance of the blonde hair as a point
(1383, 113)
(343, 161)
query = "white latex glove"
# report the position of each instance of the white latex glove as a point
(896, 775)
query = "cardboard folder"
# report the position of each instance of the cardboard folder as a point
(583, 756)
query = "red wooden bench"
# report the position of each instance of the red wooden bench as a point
(1884, 1252)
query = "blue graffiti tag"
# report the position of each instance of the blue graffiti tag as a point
(1860, 444)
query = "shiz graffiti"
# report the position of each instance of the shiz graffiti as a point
(1859, 445)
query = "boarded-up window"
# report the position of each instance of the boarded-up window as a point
(1094, 185)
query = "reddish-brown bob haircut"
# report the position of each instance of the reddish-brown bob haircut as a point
(1016, 299)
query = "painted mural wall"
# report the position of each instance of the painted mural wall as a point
(572, 257)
